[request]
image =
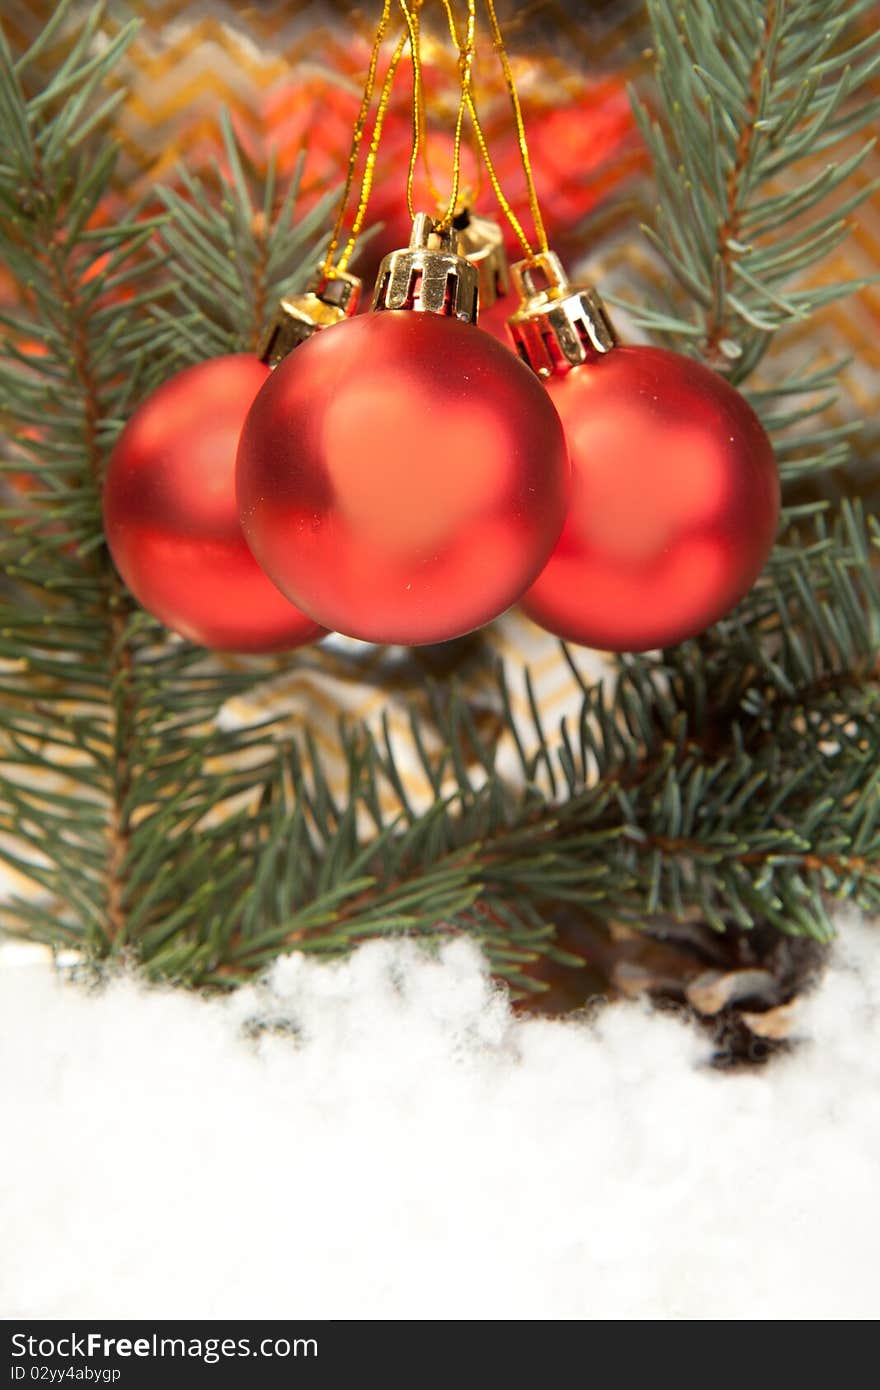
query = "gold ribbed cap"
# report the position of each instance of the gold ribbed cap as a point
(556, 326)
(429, 275)
(328, 301)
(481, 240)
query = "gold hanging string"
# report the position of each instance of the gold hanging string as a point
(410, 10)
(370, 165)
(420, 147)
(502, 200)
(534, 205)
(357, 137)
(466, 56)
(411, 19)
(478, 165)
(425, 150)
(483, 148)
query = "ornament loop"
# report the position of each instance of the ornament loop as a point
(329, 300)
(429, 275)
(481, 240)
(556, 326)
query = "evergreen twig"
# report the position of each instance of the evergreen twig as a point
(734, 778)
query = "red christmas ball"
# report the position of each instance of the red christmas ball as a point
(402, 477)
(674, 505)
(493, 318)
(171, 518)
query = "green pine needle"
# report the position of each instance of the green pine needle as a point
(734, 778)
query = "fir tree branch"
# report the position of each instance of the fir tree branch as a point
(258, 252)
(46, 230)
(729, 233)
(748, 91)
(92, 691)
(734, 777)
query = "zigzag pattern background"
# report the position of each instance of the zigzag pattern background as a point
(291, 72)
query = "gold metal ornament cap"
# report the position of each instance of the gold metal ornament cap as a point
(481, 240)
(556, 326)
(429, 275)
(329, 300)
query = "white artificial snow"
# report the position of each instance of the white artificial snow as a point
(407, 1149)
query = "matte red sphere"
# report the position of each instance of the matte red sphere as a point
(171, 518)
(674, 506)
(493, 318)
(403, 477)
